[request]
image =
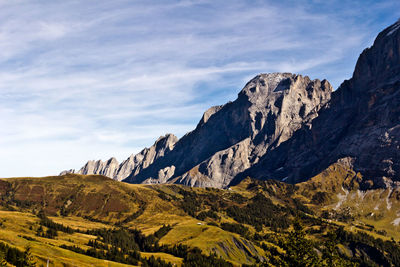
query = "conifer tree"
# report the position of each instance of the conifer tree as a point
(299, 250)
(28, 260)
(331, 256)
(3, 262)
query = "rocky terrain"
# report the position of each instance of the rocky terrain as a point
(228, 139)
(132, 165)
(326, 148)
(287, 127)
(231, 138)
(362, 121)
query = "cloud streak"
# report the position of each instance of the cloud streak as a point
(85, 80)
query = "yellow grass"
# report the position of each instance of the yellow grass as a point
(164, 256)
(16, 224)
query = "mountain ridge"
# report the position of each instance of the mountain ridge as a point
(361, 122)
(267, 111)
(287, 127)
(133, 164)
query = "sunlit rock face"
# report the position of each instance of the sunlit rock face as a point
(362, 121)
(231, 138)
(132, 165)
(287, 127)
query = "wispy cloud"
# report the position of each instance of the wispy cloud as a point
(84, 80)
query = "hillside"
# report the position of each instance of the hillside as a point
(251, 223)
(291, 172)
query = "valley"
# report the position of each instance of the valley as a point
(249, 223)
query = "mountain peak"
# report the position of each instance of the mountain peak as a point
(231, 137)
(133, 164)
(208, 113)
(393, 27)
(267, 83)
(286, 126)
(379, 64)
(166, 141)
(275, 85)
(361, 121)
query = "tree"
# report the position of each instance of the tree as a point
(28, 260)
(39, 231)
(299, 250)
(3, 262)
(330, 253)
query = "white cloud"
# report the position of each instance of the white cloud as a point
(51, 31)
(84, 80)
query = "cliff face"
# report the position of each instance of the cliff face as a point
(287, 127)
(134, 164)
(231, 138)
(362, 121)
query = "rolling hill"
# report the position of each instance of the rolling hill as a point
(250, 223)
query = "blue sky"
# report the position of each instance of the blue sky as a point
(84, 80)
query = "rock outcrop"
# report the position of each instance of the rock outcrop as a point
(362, 121)
(134, 164)
(287, 127)
(231, 138)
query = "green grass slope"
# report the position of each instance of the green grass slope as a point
(255, 223)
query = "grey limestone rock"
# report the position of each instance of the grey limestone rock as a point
(67, 171)
(287, 127)
(134, 164)
(232, 137)
(362, 121)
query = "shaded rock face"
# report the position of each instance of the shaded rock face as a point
(287, 127)
(362, 121)
(134, 164)
(231, 138)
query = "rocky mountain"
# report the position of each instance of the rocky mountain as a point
(132, 165)
(362, 121)
(287, 127)
(231, 138)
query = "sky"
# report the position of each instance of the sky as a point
(82, 80)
